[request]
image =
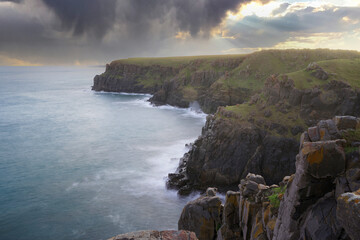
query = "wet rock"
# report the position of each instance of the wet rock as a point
(156, 235)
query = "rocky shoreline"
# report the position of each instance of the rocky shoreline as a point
(320, 201)
(252, 136)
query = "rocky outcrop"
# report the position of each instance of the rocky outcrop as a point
(156, 235)
(232, 145)
(128, 78)
(320, 201)
(227, 151)
(317, 71)
(308, 209)
(176, 86)
(348, 212)
(202, 216)
(333, 98)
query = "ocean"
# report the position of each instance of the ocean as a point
(77, 164)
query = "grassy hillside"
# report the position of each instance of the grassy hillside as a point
(346, 70)
(176, 61)
(256, 67)
(251, 70)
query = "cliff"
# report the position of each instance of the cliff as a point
(320, 201)
(215, 81)
(260, 104)
(260, 136)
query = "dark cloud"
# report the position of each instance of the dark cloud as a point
(14, 1)
(203, 15)
(95, 17)
(98, 16)
(103, 30)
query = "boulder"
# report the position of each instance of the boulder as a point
(313, 133)
(346, 122)
(156, 235)
(202, 216)
(348, 212)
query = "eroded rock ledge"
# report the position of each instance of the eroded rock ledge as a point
(320, 201)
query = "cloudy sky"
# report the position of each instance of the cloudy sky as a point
(92, 32)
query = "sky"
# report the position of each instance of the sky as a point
(95, 32)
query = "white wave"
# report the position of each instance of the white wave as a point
(123, 93)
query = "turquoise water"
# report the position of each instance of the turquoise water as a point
(75, 164)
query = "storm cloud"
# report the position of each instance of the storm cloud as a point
(98, 31)
(97, 17)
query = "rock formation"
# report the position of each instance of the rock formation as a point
(156, 235)
(233, 144)
(202, 216)
(320, 201)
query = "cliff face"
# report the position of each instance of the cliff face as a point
(212, 81)
(260, 136)
(177, 85)
(320, 201)
(259, 110)
(127, 78)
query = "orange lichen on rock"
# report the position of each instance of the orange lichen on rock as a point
(205, 229)
(316, 156)
(271, 224)
(258, 228)
(322, 133)
(266, 215)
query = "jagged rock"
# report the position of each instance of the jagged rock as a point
(328, 130)
(202, 216)
(317, 166)
(348, 212)
(317, 71)
(312, 66)
(320, 221)
(230, 228)
(156, 235)
(346, 122)
(211, 192)
(256, 178)
(320, 74)
(313, 133)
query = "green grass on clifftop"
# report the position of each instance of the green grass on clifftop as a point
(174, 61)
(256, 67)
(346, 70)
